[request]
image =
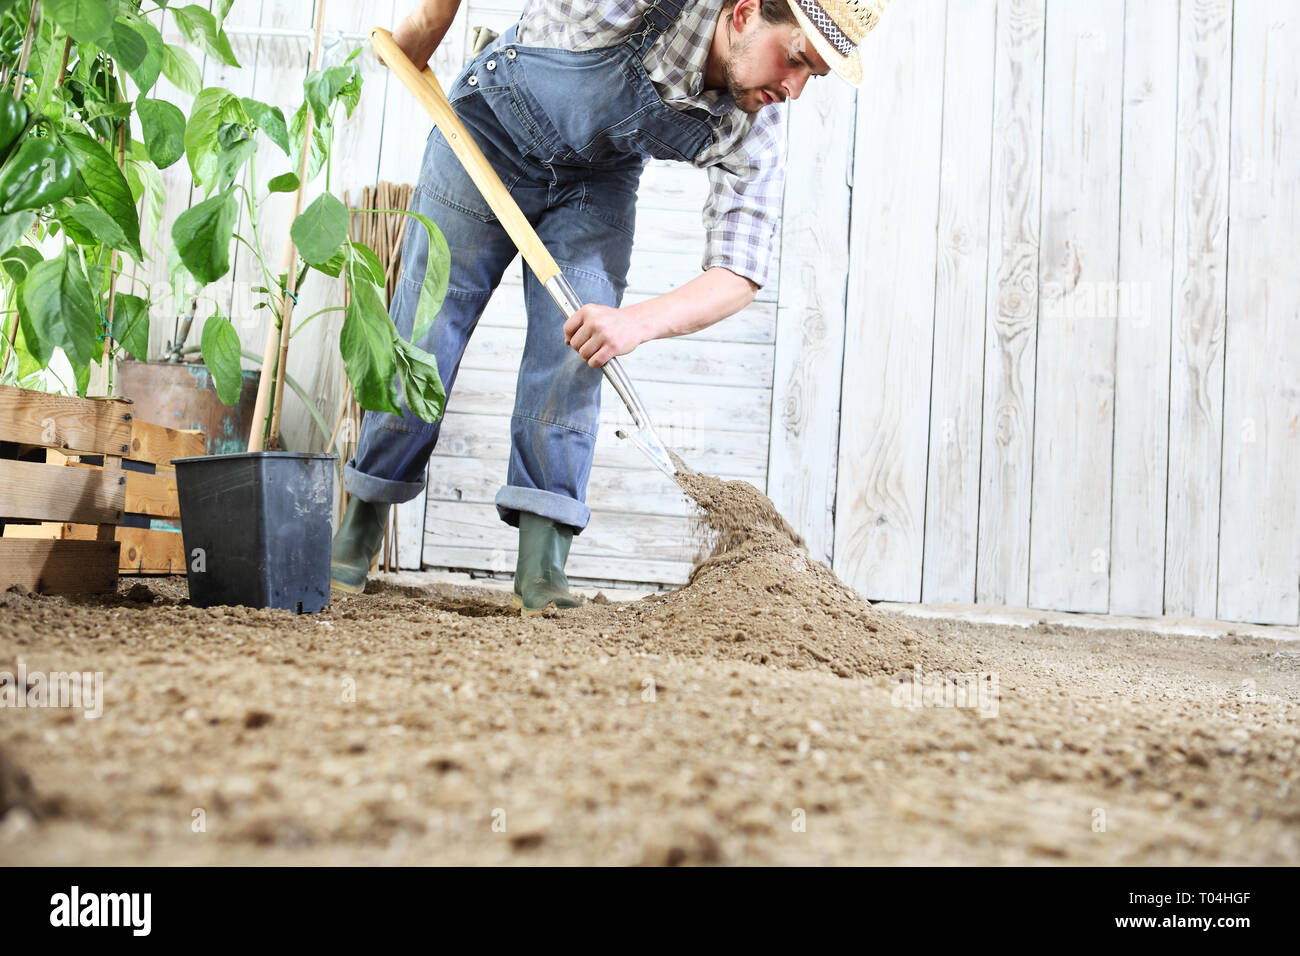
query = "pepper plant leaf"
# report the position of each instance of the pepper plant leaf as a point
(86, 21)
(437, 272)
(179, 67)
(200, 27)
(321, 229)
(163, 125)
(145, 72)
(131, 324)
(270, 120)
(57, 310)
(421, 385)
(366, 342)
(220, 347)
(14, 226)
(202, 236)
(89, 225)
(107, 186)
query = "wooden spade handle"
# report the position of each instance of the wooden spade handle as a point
(427, 90)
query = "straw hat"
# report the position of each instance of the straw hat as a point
(836, 27)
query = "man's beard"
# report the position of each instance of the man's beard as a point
(740, 95)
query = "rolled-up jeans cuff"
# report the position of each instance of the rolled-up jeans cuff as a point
(378, 490)
(561, 509)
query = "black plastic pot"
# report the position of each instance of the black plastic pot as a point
(257, 528)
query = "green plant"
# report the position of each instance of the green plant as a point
(77, 191)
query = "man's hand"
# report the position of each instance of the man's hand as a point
(598, 333)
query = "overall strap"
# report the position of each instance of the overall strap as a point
(658, 18)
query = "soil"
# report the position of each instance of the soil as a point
(763, 713)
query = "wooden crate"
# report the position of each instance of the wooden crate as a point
(146, 498)
(36, 491)
(151, 500)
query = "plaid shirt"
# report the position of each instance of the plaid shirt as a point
(746, 162)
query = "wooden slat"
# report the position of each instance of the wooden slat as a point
(683, 360)
(1196, 365)
(146, 494)
(158, 444)
(579, 568)
(60, 421)
(716, 452)
(43, 530)
(59, 567)
(153, 495)
(143, 550)
(694, 407)
(1146, 261)
(1002, 572)
(804, 443)
(754, 324)
(644, 491)
(880, 496)
(1259, 527)
(36, 491)
(609, 534)
(961, 279)
(1069, 546)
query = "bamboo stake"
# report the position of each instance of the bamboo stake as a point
(276, 352)
(27, 50)
(12, 333)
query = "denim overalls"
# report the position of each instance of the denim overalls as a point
(568, 133)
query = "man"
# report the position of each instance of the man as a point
(567, 105)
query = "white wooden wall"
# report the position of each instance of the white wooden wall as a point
(1071, 313)
(1031, 338)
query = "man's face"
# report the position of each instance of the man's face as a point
(769, 63)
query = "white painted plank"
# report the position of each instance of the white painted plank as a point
(1196, 372)
(880, 497)
(628, 490)
(682, 360)
(1002, 571)
(609, 535)
(961, 280)
(1146, 257)
(487, 437)
(692, 408)
(755, 324)
(1259, 543)
(813, 282)
(580, 567)
(1069, 546)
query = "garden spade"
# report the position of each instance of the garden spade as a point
(427, 90)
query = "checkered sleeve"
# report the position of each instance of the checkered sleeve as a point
(744, 204)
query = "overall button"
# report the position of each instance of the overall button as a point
(472, 81)
(491, 64)
(510, 53)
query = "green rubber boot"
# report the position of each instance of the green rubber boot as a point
(358, 540)
(539, 575)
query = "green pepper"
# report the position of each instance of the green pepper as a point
(13, 120)
(39, 172)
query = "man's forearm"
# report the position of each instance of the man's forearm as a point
(708, 298)
(422, 30)
(438, 13)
